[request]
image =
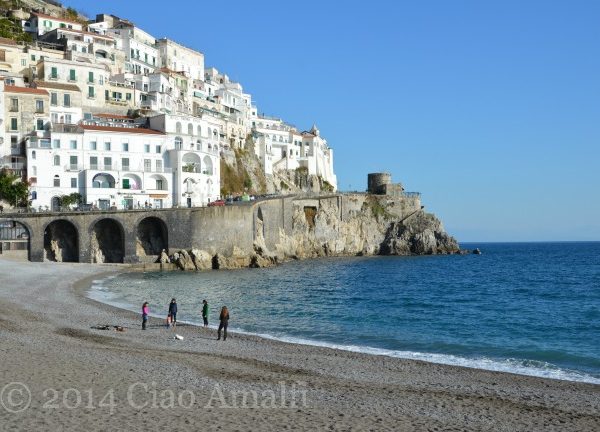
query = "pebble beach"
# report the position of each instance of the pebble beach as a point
(59, 373)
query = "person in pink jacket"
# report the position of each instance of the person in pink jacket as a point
(145, 312)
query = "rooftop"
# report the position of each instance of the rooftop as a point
(29, 90)
(43, 15)
(56, 85)
(134, 130)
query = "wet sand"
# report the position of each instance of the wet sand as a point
(58, 373)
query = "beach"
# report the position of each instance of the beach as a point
(58, 373)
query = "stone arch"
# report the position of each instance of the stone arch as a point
(14, 239)
(107, 243)
(152, 236)
(191, 162)
(61, 241)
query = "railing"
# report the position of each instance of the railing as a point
(73, 167)
(43, 143)
(65, 128)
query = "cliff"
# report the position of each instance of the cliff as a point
(337, 225)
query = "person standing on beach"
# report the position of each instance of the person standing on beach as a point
(223, 322)
(205, 312)
(145, 312)
(173, 312)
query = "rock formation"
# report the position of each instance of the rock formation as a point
(374, 225)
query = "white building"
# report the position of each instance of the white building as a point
(179, 58)
(40, 24)
(110, 166)
(193, 153)
(141, 53)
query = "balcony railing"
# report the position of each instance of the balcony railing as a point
(73, 167)
(65, 128)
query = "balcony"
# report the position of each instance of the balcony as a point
(116, 101)
(42, 143)
(65, 128)
(73, 167)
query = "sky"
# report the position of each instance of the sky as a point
(490, 109)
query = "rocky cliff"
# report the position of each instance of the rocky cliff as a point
(369, 225)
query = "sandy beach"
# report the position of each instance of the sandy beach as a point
(58, 373)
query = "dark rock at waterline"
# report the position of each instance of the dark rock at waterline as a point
(476, 251)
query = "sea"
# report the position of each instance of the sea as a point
(525, 308)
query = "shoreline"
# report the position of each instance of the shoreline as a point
(494, 365)
(45, 323)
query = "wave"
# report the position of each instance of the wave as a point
(518, 366)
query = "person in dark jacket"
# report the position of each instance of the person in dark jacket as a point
(223, 322)
(173, 312)
(145, 312)
(205, 312)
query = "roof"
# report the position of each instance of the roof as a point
(171, 71)
(113, 116)
(29, 90)
(84, 32)
(7, 41)
(56, 85)
(122, 129)
(43, 15)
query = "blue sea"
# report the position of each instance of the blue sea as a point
(527, 308)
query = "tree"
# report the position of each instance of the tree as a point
(12, 190)
(68, 200)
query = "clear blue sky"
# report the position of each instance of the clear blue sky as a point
(490, 109)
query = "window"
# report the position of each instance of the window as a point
(91, 93)
(199, 132)
(34, 171)
(101, 79)
(53, 73)
(190, 129)
(125, 147)
(107, 146)
(67, 100)
(90, 77)
(73, 145)
(147, 148)
(125, 164)
(33, 155)
(53, 99)
(14, 104)
(158, 149)
(93, 145)
(159, 165)
(147, 165)
(107, 163)
(56, 181)
(128, 96)
(178, 127)
(74, 182)
(132, 53)
(73, 162)
(13, 124)
(32, 57)
(56, 143)
(39, 106)
(178, 143)
(68, 119)
(72, 76)
(56, 160)
(159, 185)
(93, 162)
(39, 123)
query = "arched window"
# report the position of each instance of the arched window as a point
(199, 131)
(33, 155)
(280, 138)
(178, 143)
(56, 160)
(209, 132)
(190, 129)
(178, 127)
